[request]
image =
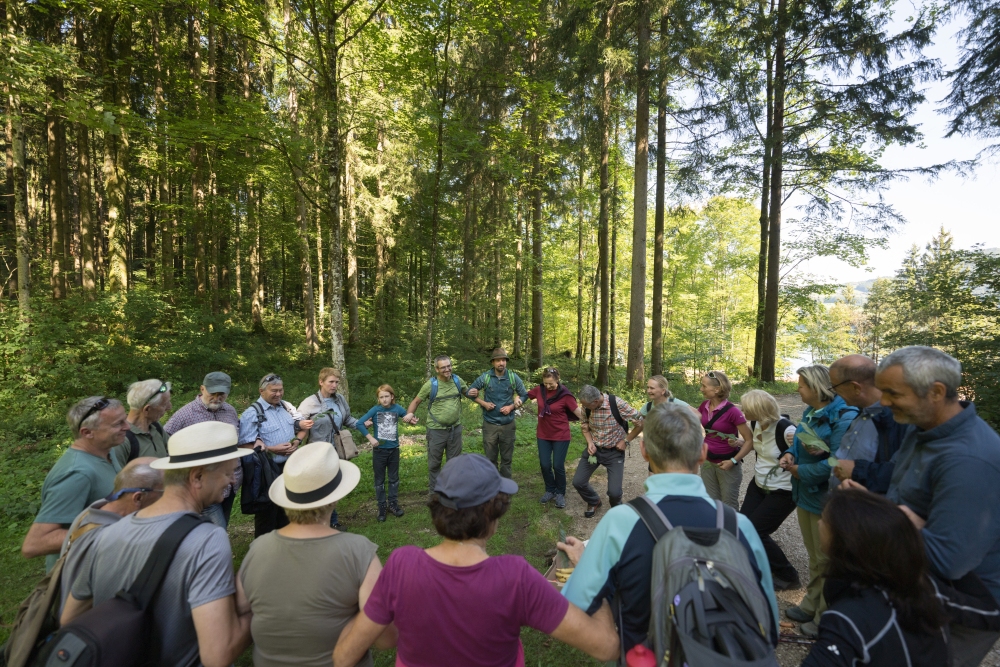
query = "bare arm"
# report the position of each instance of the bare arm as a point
(389, 636)
(747, 436)
(222, 631)
(356, 639)
(74, 608)
(594, 635)
(414, 404)
(43, 539)
(636, 430)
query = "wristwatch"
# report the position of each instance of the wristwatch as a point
(735, 462)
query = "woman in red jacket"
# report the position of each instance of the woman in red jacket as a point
(555, 411)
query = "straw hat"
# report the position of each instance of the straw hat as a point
(314, 476)
(200, 445)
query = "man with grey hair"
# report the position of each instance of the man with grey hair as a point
(83, 474)
(148, 401)
(604, 420)
(947, 477)
(137, 485)
(621, 560)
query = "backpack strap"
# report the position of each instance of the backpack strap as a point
(159, 428)
(656, 521)
(723, 410)
(147, 583)
(434, 391)
(649, 406)
(613, 404)
(260, 413)
(133, 443)
(725, 519)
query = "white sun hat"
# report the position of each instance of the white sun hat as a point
(314, 476)
(200, 445)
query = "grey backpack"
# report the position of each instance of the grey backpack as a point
(706, 606)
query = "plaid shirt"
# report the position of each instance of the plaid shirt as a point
(195, 412)
(605, 431)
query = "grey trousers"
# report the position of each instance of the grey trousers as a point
(498, 440)
(722, 484)
(439, 442)
(611, 458)
(968, 647)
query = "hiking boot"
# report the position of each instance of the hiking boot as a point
(797, 614)
(809, 629)
(546, 497)
(396, 509)
(381, 512)
(784, 584)
(591, 510)
(560, 501)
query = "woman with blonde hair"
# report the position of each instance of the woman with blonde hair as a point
(768, 501)
(727, 436)
(824, 422)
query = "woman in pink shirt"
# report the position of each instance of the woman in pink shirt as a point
(728, 438)
(454, 604)
(556, 406)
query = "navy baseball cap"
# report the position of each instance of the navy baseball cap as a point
(470, 480)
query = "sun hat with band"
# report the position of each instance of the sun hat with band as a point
(200, 445)
(469, 480)
(314, 476)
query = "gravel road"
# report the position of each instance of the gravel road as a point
(788, 536)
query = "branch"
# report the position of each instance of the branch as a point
(364, 23)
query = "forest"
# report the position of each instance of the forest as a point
(602, 182)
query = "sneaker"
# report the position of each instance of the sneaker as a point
(797, 614)
(809, 629)
(396, 509)
(381, 512)
(546, 497)
(560, 501)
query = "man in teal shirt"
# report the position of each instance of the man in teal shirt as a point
(83, 474)
(444, 415)
(502, 393)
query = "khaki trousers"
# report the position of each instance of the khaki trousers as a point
(813, 603)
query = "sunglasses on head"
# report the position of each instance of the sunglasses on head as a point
(118, 494)
(96, 407)
(165, 387)
(268, 379)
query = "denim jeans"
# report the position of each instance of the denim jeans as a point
(552, 458)
(386, 460)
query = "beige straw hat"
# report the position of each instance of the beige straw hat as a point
(314, 476)
(200, 445)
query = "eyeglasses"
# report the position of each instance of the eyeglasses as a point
(833, 388)
(164, 388)
(118, 494)
(96, 407)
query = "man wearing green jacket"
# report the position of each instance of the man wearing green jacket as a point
(502, 393)
(443, 392)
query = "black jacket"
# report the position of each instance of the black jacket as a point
(861, 627)
(877, 474)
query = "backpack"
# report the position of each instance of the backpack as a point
(779, 432)
(259, 471)
(613, 404)
(133, 441)
(434, 390)
(707, 607)
(515, 380)
(116, 632)
(38, 615)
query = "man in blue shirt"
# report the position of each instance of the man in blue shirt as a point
(504, 393)
(276, 426)
(619, 557)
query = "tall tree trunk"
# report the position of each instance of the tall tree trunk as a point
(656, 353)
(765, 195)
(383, 230)
(537, 315)
(115, 157)
(15, 123)
(354, 320)
(301, 212)
(57, 224)
(197, 158)
(166, 216)
(468, 252)
(579, 243)
(213, 267)
(518, 273)
(256, 282)
(593, 320)
(635, 370)
(770, 346)
(604, 118)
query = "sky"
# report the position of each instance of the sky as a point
(965, 206)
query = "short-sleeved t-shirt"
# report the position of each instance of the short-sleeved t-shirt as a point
(719, 448)
(302, 593)
(201, 572)
(152, 443)
(446, 410)
(470, 616)
(95, 516)
(75, 481)
(553, 426)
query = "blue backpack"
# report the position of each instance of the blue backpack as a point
(434, 390)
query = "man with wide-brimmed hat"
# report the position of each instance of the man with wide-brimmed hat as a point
(194, 614)
(501, 394)
(299, 612)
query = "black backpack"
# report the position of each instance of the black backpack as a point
(259, 472)
(133, 441)
(116, 632)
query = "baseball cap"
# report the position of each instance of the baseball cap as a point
(470, 480)
(217, 381)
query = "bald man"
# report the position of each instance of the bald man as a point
(137, 486)
(866, 450)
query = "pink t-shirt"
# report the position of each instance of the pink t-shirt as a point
(470, 616)
(719, 448)
(554, 426)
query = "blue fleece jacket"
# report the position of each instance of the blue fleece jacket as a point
(830, 423)
(950, 476)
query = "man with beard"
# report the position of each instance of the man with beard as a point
(210, 405)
